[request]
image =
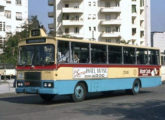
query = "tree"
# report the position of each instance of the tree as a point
(11, 45)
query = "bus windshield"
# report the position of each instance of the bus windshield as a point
(36, 55)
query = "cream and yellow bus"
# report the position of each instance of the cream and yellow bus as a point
(60, 66)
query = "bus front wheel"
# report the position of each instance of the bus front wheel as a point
(79, 93)
(47, 97)
(136, 87)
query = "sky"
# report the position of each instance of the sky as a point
(41, 9)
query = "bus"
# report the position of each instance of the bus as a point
(7, 71)
(50, 66)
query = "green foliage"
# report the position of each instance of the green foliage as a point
(11, 45)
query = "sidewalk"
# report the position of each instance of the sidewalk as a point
(6, 86)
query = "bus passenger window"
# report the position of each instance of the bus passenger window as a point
(115, 54)
(142, 56)
(63, 52)
(129, 55)
(153, 57)
(80, 52)
(98, 54)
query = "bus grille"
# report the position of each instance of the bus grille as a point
(33, 79)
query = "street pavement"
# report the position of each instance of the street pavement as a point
(149, 104)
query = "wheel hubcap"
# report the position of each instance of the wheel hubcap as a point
(79, 92)
(137, 87)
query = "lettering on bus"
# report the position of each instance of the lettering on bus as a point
(90, 73)
(148, 72)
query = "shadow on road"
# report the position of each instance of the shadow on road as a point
(149, 110)
(35, 99)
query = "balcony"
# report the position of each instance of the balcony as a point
(72, 10)
(111, 22)
(110, 9)
(51, 26)
(72, 23)
(110, 35)
(51, 2)
(76, 35)
(51, 14)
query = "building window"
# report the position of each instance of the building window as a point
(141, 34)
(18, 16)
(94, 28)
(2, 26)
(141, 3)
(8, 1)
(133, 31)
(76, 30)
(8, 14)
(89, 28)
(2, 40)
(18, 2)
(107, 4)
(66, 30)
(66, 5)
(108, 29)
(133, 8)
(89, 3)
(94, 3)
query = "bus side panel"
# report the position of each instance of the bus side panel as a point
(150, 81)
(63, 87)
(109, 84)
(67, 86)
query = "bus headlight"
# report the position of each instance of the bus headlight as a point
(48, 84)
(20, 84)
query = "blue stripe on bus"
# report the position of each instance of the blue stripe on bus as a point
(62, 87)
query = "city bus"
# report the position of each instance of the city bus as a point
(50, 66)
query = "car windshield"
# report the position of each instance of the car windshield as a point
(36, 55)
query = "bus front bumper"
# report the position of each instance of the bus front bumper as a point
(35, 90)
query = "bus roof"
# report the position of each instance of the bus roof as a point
(41, 34)
(103, 43)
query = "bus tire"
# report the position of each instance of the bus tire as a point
(47, 97)
(79, 93)
(136, 87)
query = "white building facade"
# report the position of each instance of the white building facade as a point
(13, 15)
(102, 20)
(158, 40)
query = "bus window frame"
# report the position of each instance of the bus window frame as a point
(107, 53)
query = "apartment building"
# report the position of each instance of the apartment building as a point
(113, 21)
(13, 14)
(158, 40)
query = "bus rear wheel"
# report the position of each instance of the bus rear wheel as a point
(79, 93)
(47, 97)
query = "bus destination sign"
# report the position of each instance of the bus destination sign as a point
(42, 40)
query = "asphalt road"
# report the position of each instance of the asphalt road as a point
(148, 105)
